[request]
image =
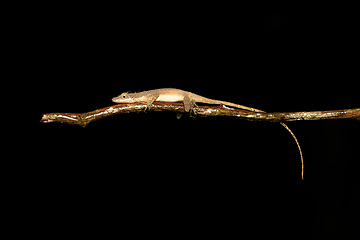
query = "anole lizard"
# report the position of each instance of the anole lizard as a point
(189, 99)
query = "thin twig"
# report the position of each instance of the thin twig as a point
(83, 119)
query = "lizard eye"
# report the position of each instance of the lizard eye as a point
(123, 95)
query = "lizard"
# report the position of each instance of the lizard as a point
(189, 100)
(173, 95)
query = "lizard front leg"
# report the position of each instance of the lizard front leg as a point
(149, 101)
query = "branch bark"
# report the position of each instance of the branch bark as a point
(83, 119)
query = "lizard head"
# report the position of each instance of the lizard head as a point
(123, 98)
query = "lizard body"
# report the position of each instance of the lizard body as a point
(173, 95)
(189, 99)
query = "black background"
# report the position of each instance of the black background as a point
(151, 174)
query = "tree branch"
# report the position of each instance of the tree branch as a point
(83, 119)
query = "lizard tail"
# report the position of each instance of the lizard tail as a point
(298, 144)
(240, 106)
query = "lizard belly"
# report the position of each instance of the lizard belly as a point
(170, 98)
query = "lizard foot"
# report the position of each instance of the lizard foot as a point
(148, 107)
(193, 112)
(179, 115)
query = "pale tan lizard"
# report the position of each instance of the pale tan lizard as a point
(189, 99)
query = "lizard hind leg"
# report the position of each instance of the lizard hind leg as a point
(192, 112)
(189, 105)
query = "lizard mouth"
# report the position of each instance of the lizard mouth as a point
(116, 99)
